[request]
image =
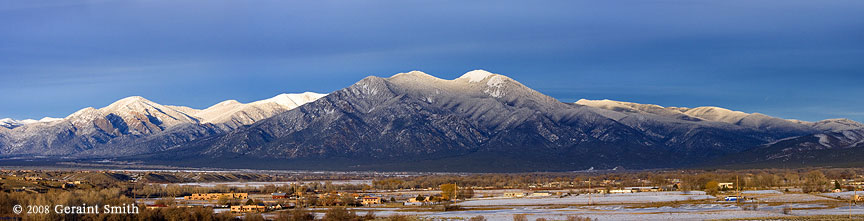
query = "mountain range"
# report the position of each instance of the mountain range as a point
(479, 122)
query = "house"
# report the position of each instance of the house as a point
(543, 193)
(645, 189)
(248, 208)
(370, 200)
(514, 194)
(621, 191)
(276, 207)
(726, 186)
(279, 195)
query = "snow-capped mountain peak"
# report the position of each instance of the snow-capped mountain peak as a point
(476, 76)
(292, 101)
(232, 114)
(129, 103)
(9, 123)
(137, 108)
(413, 74)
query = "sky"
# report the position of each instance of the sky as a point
(799, 59)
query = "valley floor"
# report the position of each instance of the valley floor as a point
(645, 206)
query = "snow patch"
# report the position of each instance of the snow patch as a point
(823, 140)
(717, 114)
(496, 83)
(228, 102)
(49, 119)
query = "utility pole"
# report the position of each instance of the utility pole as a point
(738, 190)
(590, 200)
(455, 191)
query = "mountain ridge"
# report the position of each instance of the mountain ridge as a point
(719, 114)
(483, 114)
(395, 122)
(129, 122)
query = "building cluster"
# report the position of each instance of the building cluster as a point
(216, 196)
(259, 208)
(631, 190)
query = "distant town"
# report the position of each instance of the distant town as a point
(226, 195)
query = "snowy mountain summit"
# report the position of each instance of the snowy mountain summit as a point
(476, 75)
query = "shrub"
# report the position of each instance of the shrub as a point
(339, 214)
(520, 217)
(578, 218)
(478, 218)
(296, 214)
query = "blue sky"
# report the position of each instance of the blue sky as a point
(787, 58)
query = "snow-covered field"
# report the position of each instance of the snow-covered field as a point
(507, 214)
(792, 197)
(634, 206)
(761, 192)
(276, 183)
(843, 195)
(644, 197)
(683, 212)
(843, 210)
(631, 212)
